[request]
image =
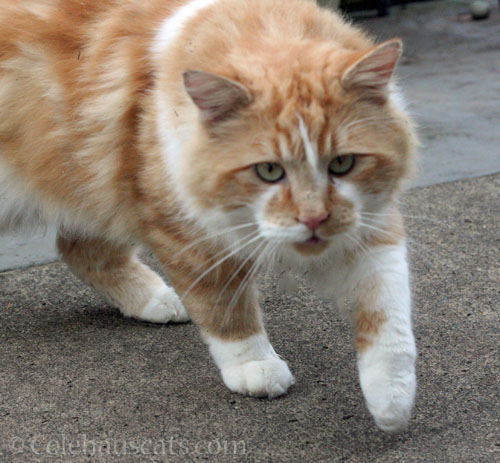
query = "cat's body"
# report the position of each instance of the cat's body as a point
(212, 131)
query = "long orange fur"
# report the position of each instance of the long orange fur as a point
(80, 83)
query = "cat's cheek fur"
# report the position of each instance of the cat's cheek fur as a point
(260, 210)
(250, 366)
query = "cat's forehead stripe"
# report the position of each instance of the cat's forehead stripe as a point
(311, 154)
(309, 149)
(325, 138)
(285, 151)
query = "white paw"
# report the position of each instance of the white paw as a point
(163, 307)
(251, 366)
(259, 378)
(389, 396)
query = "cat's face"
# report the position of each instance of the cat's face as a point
(299, 169)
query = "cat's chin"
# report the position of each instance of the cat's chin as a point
(311, 247)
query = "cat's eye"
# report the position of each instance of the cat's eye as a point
(341, 165)
(269, 171)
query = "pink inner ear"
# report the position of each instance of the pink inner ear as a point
(216, 97)
(374, 70)
(385, 71)
(198, 88)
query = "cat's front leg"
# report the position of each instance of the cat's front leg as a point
(225, 307)
(380, 294)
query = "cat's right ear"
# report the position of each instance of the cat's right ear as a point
(372, 71)
(217, 97)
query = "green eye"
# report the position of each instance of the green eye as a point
(269, 171)
(341, 165)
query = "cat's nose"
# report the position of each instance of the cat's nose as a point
(313, 222)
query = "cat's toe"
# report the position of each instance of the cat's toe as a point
(164, 307)
(259, 378)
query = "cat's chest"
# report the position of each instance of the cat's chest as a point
(326, 279)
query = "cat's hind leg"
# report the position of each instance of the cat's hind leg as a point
(116, 273)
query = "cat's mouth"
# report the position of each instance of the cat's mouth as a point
(314, 239)
(314, 245)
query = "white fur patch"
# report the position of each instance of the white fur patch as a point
(285, 152)
(174, 134)
(311, 152)
(251, 366)
(18, 210)
(349, 191)
(174, 25)
(388, 382)
(396, 96)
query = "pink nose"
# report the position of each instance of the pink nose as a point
(314, 222)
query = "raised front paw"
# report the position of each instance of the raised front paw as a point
(259, 378)
(389, 395)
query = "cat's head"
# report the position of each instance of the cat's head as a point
(293, 156)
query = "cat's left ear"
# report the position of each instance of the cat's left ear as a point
(372, 72)
(217, 97)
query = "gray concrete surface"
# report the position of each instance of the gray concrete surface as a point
(76, 374)
(23, 250)
(450, 74)
(78, 383)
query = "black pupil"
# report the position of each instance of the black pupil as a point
(340, 159)
(270, 168)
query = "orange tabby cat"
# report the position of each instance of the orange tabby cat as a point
(225, 135)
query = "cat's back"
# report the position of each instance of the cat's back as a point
(41, 46)
(46, 65)
(56, 23)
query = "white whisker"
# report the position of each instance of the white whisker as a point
(231, 305)
(248, 277)
(214, 235)
(393, 235)
(364, 121)
(238, 270)
(406, 216)
(220, 261)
